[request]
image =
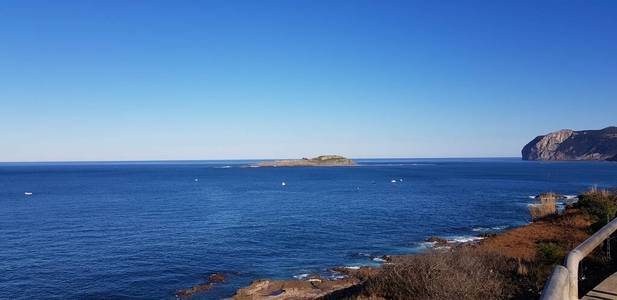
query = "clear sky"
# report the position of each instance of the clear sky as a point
(144, 80)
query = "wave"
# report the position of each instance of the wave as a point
(302, 276)
(489, 229)
(338, 276)
(463, 239)
(362, 254)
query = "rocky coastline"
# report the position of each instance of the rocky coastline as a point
(519, 248)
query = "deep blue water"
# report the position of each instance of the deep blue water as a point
(146, 230)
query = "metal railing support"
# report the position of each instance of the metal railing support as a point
(572, 261)
(554, 288)
(562, 286)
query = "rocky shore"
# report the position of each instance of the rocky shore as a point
(320, 161)
(523, 256)
(518, 244)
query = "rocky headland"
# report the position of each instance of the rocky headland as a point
(568, 144)
(320, 161)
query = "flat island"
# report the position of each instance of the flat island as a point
(319, 161)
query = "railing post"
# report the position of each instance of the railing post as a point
(557, 285)
(572, 262)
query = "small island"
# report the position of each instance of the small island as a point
(319, 161)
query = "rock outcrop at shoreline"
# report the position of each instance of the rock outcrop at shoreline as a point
(200, 288)
(320, 161)
(311, 287)
(568, 144)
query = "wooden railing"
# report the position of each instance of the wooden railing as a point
(563, 283)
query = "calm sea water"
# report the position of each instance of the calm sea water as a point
(146, 230)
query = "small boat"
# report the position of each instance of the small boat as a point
(283, 183)
(393, 180)
(28, 193)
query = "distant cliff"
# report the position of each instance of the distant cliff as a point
(568, 144)
(320, 161)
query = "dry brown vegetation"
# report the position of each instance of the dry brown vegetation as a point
(512, 265)
(546, 207)
(460, 274)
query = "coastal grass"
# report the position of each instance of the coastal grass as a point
(456, 274)
(547, 206)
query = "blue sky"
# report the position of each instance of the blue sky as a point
(146, 80)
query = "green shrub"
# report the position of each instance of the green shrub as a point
(600, 205)
(551, 253)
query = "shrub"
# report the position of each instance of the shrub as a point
(460, 274)
(551, 253)
(546, 207)
(600, 205)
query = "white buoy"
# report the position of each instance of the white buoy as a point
(283, 183)
(28, 193)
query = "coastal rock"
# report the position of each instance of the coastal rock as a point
(437, 240)
(310, 287)
(292, 289)
(567, 144)
(200, 288)
(320, 161)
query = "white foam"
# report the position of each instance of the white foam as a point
(427, 244)
(352, 267)
(464, 239)
(338, 277)
(487, 229)
(379, 259)
(301, 276)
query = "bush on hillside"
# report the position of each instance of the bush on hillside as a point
(461, 274)
(600, 205)
(546, 207)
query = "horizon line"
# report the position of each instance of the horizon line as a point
(240, 159)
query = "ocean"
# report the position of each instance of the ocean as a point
(144, 230)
